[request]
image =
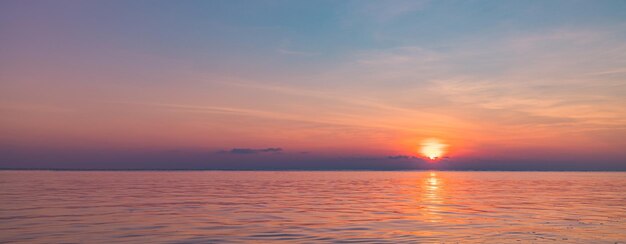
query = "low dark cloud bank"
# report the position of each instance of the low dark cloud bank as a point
(252, 151)
(402, 157)
(276, 158)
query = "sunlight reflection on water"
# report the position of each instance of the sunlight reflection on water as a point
(217, 206)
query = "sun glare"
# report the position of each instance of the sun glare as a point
(433, 148)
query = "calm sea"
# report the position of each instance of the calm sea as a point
(312, 207)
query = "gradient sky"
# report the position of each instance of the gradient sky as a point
(535, 85)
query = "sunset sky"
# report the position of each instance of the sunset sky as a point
(519, 85)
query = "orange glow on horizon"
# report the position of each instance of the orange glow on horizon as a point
(433, 148)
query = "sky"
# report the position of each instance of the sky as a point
(499, 85)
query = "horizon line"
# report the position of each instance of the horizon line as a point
(314, 170)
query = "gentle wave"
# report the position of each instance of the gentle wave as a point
(311, 207)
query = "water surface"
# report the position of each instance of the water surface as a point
(381, 207)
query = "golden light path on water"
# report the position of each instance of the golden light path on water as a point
(432, 197)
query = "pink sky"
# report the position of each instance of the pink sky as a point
(329, 83)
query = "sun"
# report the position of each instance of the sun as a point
(433, 148)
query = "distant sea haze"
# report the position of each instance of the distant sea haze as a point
(393, 163)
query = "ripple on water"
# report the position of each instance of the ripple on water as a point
(338, 207)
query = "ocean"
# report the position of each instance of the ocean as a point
(312, 207)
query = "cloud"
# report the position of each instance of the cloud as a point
(402, 157)
(253, 151)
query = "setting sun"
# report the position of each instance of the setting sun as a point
(433, 148)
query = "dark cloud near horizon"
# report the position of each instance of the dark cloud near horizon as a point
(253, 151)
(402, 157)
(277, 159)
(408, 157)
